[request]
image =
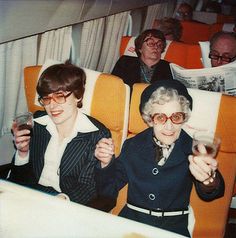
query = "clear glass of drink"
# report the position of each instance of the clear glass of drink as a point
(206, 143)
(25, 121)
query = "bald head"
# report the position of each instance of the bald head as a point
(222, 48)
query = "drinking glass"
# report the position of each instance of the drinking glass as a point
(25, 121)
(207, 140)
(206, 143)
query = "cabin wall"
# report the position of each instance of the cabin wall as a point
(21, 18)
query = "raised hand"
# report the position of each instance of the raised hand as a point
(21, 140)
(203, 168)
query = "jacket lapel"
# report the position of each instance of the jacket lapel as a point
(181, 150)
(74, 151)
(37, 155)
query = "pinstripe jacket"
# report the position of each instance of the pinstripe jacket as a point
(76, 178)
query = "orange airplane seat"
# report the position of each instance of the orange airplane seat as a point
(194, 32)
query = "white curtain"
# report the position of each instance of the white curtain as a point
(91, 43)
(116, 27)
(100, 42)
(56, 45)
(158, 11)
(14, 57)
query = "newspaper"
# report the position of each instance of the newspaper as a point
(217, 79)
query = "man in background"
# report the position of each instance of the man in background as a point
(222, 48)
(184, 12)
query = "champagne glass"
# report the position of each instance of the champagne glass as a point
(25, 121)
(206, 143)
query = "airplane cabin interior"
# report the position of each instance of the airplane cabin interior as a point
(94, 35)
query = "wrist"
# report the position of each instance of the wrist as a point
(21, 158)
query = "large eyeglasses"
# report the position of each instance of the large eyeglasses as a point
(151, 43)
(222, 58)
(58, 97)
(176, 118)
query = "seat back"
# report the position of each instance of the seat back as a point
(106, 98)
(185, 55)
(193, 32)
(215, 28)
(212, 111)
(227, 27)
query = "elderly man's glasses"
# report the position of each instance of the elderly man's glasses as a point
(176, 118)
(182, 14)
(151, 43)
(222, 58)
(58, 97)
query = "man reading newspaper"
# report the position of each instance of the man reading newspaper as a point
(217, 79)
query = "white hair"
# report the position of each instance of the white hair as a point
(161, 96)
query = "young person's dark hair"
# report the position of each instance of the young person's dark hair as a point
(62, 77)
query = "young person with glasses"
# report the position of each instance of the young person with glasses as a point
(158, 165)
(222, 48)
(59, 158)
(148, 67)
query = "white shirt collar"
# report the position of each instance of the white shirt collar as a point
(82, 123)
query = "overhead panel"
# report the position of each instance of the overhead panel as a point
(95, 9)
(119, 6)
(22, 18)
(67, 12)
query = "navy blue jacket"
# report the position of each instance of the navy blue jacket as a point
(150, 186)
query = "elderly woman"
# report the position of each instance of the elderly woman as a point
(59, 157)
(148, 67)
(157, 163)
